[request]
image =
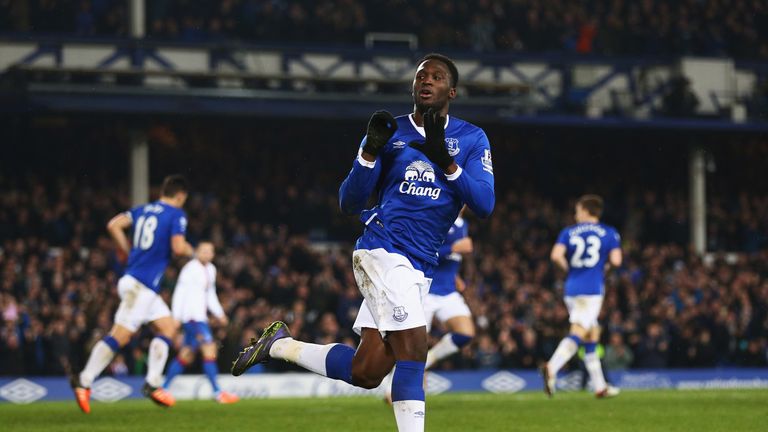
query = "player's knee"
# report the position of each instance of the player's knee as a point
(416, 350)
(365, 380)
(363, 376)
(186, 356)
(468, 331)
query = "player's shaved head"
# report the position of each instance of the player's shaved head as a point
(447, 62)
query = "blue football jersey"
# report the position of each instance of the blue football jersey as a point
(417, 202)
(444, 278)
(154, 225)
(587, 248)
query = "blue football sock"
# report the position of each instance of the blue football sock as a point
(460, 339)
(211, 370)
(111, 343)
(408, 381)
(176, 367)
(575, 338)
(408, 395)
(338, 363)
(590, 347)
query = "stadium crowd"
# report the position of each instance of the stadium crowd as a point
(613, 27)
(664, 308)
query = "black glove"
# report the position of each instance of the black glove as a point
(381, 127)
(434, 146)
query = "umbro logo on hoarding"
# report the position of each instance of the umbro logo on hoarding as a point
(437, 384)
(503, 382)
(22, 391)
(110, 390)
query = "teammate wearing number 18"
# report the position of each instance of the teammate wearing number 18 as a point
(583, 250)
(158, 232)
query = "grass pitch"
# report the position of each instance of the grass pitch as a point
(642, 411)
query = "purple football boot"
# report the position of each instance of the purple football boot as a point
(258, 350)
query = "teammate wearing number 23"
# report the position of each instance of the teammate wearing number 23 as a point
(158, 230)
(583, 250)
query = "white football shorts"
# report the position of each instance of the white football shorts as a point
(392, 289)
(138, 304)
(444, 307)
(584, 310)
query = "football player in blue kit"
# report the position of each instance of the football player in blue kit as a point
(445, 300)
(583, 251)
(158, 232)
(424, 167)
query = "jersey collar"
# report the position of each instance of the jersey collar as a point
(420, 129)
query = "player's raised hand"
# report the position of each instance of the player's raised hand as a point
(434, 146)
(381, 127)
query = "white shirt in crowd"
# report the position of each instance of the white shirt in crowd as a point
(195, 293)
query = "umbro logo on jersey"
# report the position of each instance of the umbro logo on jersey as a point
(452, 144)
(397, 145)
(419, 171)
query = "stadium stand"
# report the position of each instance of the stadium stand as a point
(736, 29)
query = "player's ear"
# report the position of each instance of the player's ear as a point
(452, 93)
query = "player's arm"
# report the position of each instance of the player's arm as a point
(474, 182)
(214, 305)
(116, 228)
(460, 285)
(181, 247)
(462, 246)
(362, 179)
(615, 257)
(181, 293)
(558, 256)
(359, 185)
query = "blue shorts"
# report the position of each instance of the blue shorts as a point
(196, 333)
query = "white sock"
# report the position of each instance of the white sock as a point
(563, 353)
(386, 383)
(158, 354)
(307, 355)
(595, 371)
(441, 350)
(409, 415)
(99, 359)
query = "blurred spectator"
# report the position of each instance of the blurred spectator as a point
(486, 354)
(618, 356)
(680, 101)
(654, 347)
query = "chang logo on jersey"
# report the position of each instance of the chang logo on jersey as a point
(419, 171)
(452, 144)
